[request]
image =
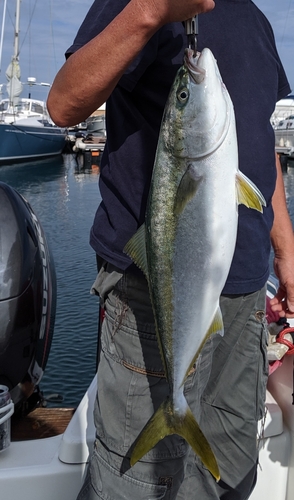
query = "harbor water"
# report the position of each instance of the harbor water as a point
(65, 198)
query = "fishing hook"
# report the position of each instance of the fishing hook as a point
(191, 27)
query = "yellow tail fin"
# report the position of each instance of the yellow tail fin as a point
(165, 422)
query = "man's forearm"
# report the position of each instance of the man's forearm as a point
(89, 76)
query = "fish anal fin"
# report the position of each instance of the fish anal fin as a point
(165, 422)
(248, 194)
(136, 249)
(217, 326)
(186, 190)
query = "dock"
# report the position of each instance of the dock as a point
(88, 140)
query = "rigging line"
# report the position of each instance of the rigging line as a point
(52, 35)
(286, 22)
(29, 24)
(10, 16)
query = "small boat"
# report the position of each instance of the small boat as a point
(26, 129)
(283, 124)
(93, 139)
(49, 448)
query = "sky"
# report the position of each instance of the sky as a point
(48, 28)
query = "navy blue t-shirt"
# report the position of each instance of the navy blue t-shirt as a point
(242, 41)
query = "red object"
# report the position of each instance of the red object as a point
(281, 339)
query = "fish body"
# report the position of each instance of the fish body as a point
(187, 243)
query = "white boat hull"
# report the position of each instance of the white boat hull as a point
(50, 468)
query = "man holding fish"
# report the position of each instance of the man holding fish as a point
(183, 267)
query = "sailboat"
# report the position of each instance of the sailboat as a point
(26, 129)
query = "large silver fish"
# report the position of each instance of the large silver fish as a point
(186, 245)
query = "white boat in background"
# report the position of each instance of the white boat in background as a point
(283, 109)
(283, 124)
(25, 108)
(26, 129)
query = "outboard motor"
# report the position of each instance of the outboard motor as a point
(27, 299)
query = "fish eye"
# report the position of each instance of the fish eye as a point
(183, 95)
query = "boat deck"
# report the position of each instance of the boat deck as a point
(41, 423)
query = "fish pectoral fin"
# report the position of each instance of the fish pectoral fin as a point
(248, 194)
(165, 422)
(136, 249)
(186, 190)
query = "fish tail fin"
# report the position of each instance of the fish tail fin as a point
(165, 422)
(248, 194)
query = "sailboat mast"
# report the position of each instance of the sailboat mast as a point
(2, 35)
(14, 85)
(16, 31)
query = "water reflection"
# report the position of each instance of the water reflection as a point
(22, 175)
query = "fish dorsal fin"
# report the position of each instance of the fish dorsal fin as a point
(186, 190)
(136, 249)
(217, 326)
(248, 194)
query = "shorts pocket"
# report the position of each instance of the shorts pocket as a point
(239, 373)
(110, 484)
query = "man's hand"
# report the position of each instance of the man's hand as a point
(167, 11)
(282, 239)
(88, 77)
(283, 302)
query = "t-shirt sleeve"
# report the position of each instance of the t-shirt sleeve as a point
(283, 85)
(100, 14)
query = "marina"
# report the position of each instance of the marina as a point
(26, 129)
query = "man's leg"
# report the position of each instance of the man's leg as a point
(131, 386)
(232, 403)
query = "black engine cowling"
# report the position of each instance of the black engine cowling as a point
(27, 296)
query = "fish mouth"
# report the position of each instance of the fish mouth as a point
(195, 71)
